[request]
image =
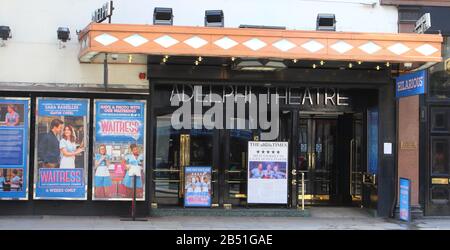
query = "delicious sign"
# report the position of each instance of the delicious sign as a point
(411, 84)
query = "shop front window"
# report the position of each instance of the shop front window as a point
(439, 195)
(439, 154)
(440, 74)
(167, 170)
(440, 120)
(237, 168)
(175, 151)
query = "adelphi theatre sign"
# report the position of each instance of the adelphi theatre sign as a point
(288, 95)
(243, 107)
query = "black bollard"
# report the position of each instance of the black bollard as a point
(133, 205)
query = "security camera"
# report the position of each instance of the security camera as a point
(114, 56)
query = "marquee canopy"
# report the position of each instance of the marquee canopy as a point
(99, 38)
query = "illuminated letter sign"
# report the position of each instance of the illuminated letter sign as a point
(102, 13)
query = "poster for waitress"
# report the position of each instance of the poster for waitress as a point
(119, 150)
(14, 126)
(61, 151)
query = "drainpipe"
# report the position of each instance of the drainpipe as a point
(105, 71)
(105, 61)
(394, 203)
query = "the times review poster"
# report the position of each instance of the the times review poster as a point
(14, 127)
(267, 172)
(197, 189)
(119, 150)
(61, 148)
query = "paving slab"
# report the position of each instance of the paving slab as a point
(319, 219)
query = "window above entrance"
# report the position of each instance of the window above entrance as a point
(440, 75)
(141, 40)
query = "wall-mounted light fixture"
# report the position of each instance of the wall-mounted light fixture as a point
(162, 16)
(255, 64)
(326, 22)
(5, 33)
(214, 18)
(63, 36)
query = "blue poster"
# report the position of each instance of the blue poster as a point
(405, 199)
(14, 127)
(61, 148)
(372, 140)
(411, 84)
(119, 150)
(197, 186)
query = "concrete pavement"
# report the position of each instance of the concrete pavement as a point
(321, 219)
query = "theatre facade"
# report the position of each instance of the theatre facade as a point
(316, 109)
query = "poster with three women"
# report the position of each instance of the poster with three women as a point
(14, 130)
(197, 186)
(119, 150)
(61, 155)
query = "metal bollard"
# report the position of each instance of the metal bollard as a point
(303, 191)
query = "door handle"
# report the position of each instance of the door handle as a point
(294, 172)
(309, 161)
(182, 164)
(181, 150)
(351, 166)
(184, 160)
(188, 150)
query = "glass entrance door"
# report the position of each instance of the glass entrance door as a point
(356, 159)
(438, 176)
(176, 149)
(316, 149)
(235, 166)
(330, 155)
(234, 159)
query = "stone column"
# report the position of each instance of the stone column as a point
(408, 147)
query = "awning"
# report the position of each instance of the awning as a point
(260, 43)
